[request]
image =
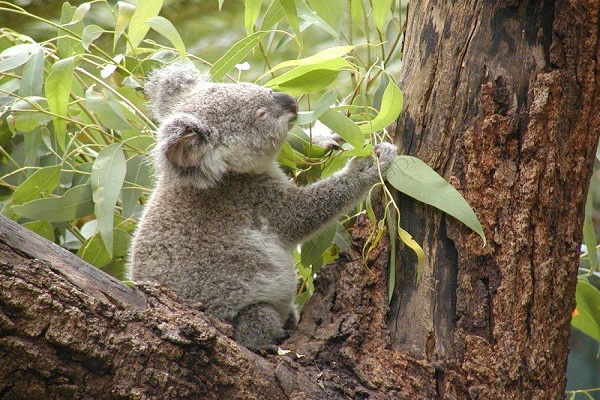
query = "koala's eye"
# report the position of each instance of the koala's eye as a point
(261, 113)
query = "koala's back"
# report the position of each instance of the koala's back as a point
(216, 246)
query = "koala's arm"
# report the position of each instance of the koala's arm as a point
(308, 209)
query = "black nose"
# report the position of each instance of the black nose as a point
(286, 102)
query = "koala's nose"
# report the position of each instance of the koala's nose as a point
(286, 102)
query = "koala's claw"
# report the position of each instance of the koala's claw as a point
(385, 152)
(330, 144)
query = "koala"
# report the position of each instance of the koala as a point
(220, 225)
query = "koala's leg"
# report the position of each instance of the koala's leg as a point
(259, 327)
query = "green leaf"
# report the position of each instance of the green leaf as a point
(273, 15)
(167, 30)
(93, 252)
(124, 11)
(408, 240)
(344, 127)
(33, 76)
(138, 27)
(251, 13)
(313, 249)
(589, 233)
(342, 238)
(381, 8)
(80, 12)
(308, 78)
(323, 104)
(107, 109)
(76, 203)
(330, 11)
(586, 316)
(416, 179)
(235, 55)
(391, 106)
(311, 18)
(357, 13)
(289, 9)
(138, 176)
(26, 115)
(318, 59)
(58, 90)
(392, 226)
(67, 44)
(43, 181)
(18, 55)
(42, 228)
(90, 33)
(108, 174)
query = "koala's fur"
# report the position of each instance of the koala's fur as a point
(220, 225)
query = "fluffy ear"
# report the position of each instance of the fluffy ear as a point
(164, 86)
(188, 140)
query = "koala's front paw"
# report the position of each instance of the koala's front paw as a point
(386, 153)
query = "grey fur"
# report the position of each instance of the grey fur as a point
(220, 225)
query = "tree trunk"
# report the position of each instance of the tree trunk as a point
(501, 98)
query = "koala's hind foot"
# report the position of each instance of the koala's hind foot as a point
(259, 328)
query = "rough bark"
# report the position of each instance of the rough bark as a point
(502, 99)
(70, 331)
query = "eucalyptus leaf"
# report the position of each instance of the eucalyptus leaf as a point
(291, 14)
(344, 127)
(138, 176)
(33, 75)
(124, 11)
(408, 240)
(168, 31)
(108, 174)
(43, 181)
(391, 106)
(313, 249)
(76, 203)
(235, 55)
(416, 179)
(42, 228)
(18, 55)
(81, 12)
(309, 78)
(381, 8)
(107, 109)
(586, 316)
(330, 11)
(312, 19)
(58, 90)
(251, 13)
(138, 26)
(319, 58)
(91, 33)
(28, 113)
(342, 238)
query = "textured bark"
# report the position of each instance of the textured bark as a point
(502, 99)
(69, 331)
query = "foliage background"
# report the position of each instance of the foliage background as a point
(75, 136)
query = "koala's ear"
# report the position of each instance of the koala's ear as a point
(165, 86)
(191, 144)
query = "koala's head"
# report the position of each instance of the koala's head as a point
(208, 129)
